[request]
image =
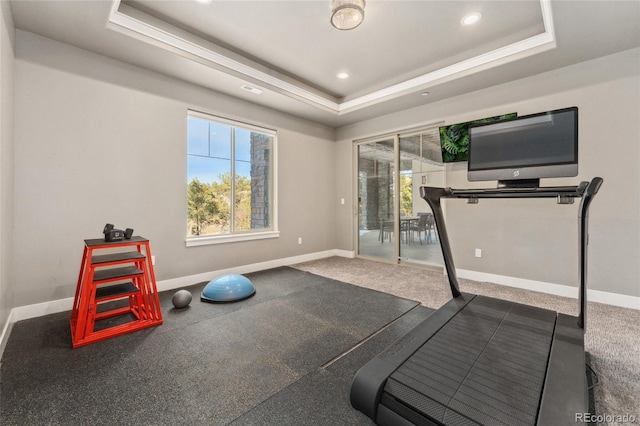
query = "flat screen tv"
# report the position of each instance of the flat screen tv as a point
(520, 151)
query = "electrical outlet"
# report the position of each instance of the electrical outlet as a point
(478, 252)
(153, 260)
(299, 240)
(342, 201)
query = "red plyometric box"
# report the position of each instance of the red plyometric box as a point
(116, 291)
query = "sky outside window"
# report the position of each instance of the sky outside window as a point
(209, 149)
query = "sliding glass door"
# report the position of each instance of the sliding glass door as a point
(420, 163)
(376, 199)
(393, 223)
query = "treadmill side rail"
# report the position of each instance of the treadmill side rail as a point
(565, 387)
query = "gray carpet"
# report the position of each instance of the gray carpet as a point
(257, 361)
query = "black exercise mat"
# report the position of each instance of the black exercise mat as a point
(207, 364)
(322, 396)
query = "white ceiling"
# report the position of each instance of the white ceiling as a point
(290, 51)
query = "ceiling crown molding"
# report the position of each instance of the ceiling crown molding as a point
(137, 24)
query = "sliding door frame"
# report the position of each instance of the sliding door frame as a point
(396, 136)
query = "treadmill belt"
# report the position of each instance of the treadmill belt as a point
(485, 366)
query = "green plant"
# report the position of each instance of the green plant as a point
(454, 139)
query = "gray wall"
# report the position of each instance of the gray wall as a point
(537, 239)
(100, 141)
(7, 60)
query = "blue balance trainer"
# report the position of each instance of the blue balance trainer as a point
(227, 288)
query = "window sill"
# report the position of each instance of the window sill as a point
(223, 239)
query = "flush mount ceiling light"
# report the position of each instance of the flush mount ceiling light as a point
(347, 14)
(470, 19)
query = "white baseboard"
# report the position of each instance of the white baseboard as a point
(6, 331)
(40, 309)
(543, 287)
(614, 299)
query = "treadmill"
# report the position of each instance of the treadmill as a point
(484, 361)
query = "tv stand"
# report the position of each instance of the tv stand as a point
(564, 194)
(519, 183)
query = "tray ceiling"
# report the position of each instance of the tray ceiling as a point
(289, 51)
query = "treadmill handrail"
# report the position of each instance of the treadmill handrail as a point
(583, 215)
(585, 190)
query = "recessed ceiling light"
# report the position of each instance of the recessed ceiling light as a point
(251, 89)
(470, 19)
(204, 1)
(342, 75)
(425, 93)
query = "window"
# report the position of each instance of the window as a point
(230, 180)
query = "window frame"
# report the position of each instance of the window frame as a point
(245, 235)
